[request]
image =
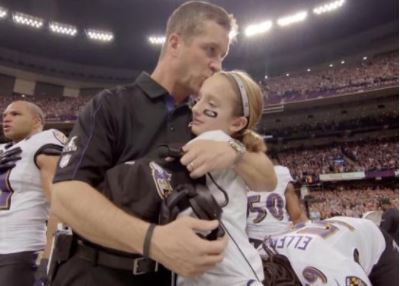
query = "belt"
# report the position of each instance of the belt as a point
(138, 266)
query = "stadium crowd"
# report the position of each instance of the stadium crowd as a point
(371, 155)
(57, 108)
(378, 72)
(353, 202)
(332, 125)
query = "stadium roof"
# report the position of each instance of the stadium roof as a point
(355, 27)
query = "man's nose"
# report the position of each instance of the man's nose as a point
(216, 65)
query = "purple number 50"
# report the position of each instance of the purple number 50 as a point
(274, 204)
(5, 191)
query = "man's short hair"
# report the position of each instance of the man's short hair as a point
(188, 19)
(36, 112)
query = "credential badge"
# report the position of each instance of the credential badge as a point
(162, 180)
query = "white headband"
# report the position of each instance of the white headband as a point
(243, 95)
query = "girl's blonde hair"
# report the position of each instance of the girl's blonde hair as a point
(248, 136)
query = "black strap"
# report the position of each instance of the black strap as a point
(147, 240)
(138, 266)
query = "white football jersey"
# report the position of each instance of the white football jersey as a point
(23, 206)
(234, 269)
(267, 214)
(325, 252)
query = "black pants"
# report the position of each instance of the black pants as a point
(80, 272)
(386, 271)
(18, 269)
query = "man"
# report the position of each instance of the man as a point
(390, 219)
(272, 213)
(129, 123)
(341, 251)
(25, 190)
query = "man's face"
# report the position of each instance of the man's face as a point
(18, 121)
(202, 56)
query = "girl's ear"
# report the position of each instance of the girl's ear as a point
(238, 124)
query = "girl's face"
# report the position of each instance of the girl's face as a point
(215, 107)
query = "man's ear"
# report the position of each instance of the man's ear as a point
(37, 123)
(174, 44)
(238, 124)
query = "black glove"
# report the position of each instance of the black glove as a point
(9, 158)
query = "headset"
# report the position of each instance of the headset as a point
(202, 203)
(184, 196)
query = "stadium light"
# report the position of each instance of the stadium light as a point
(63, 29)
(266, 77)
(329, 7)
(157, 40)
(256, 29)
(100, 36)
(365, 58)
(3, 12)
(292, 19)
(288, 74)
(27, 20)
(308, 70)
(331, 65)
(342, 62)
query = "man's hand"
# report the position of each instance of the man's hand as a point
(203, 156)
(177, 246)
(8, 159)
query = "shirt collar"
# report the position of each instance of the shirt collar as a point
(150, 87)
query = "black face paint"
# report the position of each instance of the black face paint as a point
(210, 113)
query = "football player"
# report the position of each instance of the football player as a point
(340, 251)
(272, 213)
(28, 164)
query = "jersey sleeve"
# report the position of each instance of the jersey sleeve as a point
(49, 142)
(88, 154)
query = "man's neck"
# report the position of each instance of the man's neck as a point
(167, 79)
(35, 131)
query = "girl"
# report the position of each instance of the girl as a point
(228, 108)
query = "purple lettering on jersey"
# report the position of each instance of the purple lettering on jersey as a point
(273, 242)
(261, 212)
(298, 240)
(281, 242)
(275, 206)
(5, 191)
(291, 238)
(305, 242)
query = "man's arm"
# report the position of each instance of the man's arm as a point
(175, 245)
(293, 207)
(203, 156)
(47, 166)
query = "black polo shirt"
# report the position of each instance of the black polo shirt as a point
(122, 125)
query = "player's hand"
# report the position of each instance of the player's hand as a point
(9, 158)
(177, 246)
(203, 156)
